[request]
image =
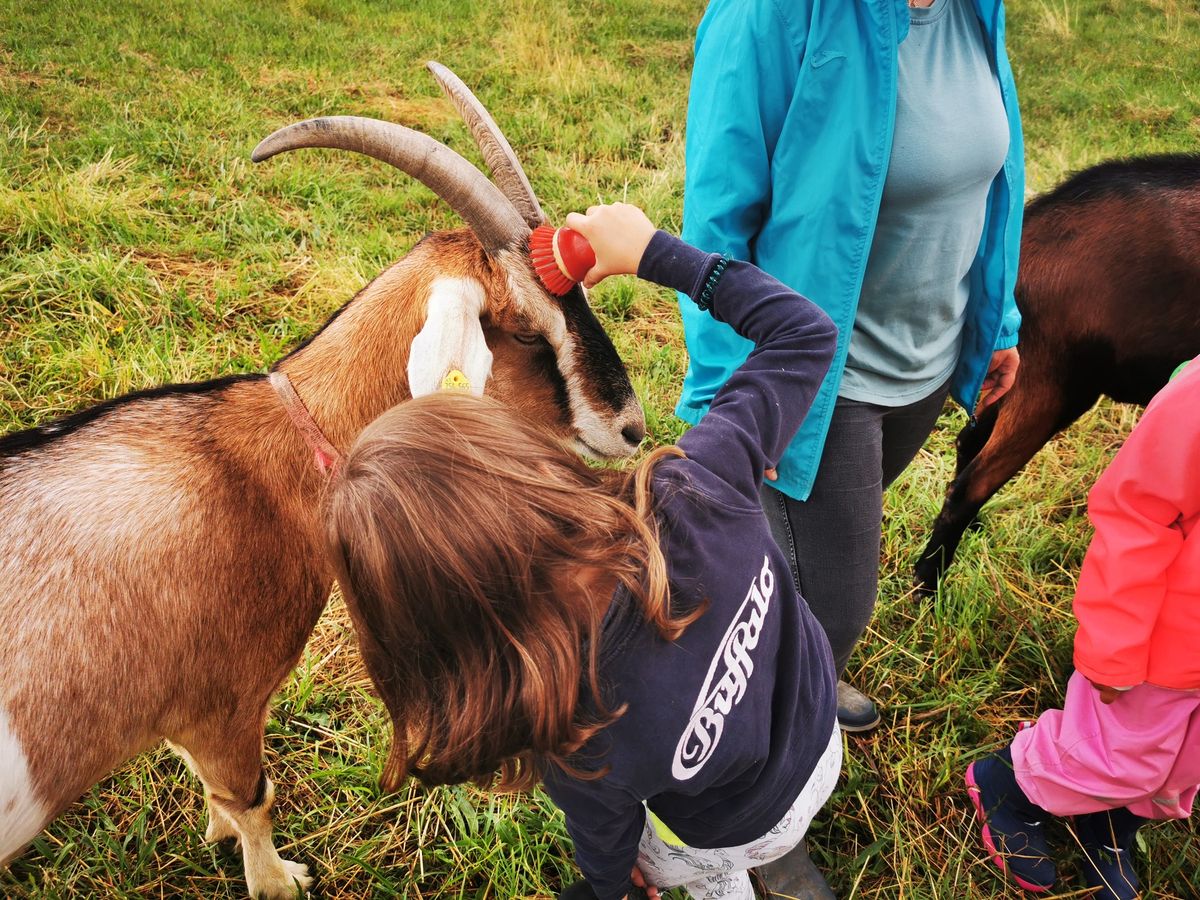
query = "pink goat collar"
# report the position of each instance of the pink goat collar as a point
(325, 455)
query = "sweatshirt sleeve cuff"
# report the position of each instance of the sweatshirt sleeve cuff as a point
(675, 264)
(619, 893)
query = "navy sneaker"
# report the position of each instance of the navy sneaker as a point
(1011, 825)
(855, 711)
(1108, 839)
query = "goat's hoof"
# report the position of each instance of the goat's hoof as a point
(293, 881)
(927, 574)
(298, 874)
(925, 584)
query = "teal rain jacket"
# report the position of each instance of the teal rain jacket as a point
(789, 135)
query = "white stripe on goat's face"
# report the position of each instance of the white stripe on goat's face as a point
(601, 430)
(451, 338)
(22, 814)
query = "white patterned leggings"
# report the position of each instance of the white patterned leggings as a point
(721, 874)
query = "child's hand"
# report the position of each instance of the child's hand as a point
(640, 881)
(1108, 693)
(619, 233)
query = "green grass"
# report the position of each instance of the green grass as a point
(138, 245)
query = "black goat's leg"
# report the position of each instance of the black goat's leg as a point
(974, 435)
(1023, 422)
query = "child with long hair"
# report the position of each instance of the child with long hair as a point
(1125, 747)
(633, 641)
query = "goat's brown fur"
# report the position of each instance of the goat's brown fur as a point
(163, 562)
(1109, 292)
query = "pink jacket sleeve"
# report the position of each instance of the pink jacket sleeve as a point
(1140, 507)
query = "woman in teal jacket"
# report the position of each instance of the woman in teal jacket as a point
(869, 155)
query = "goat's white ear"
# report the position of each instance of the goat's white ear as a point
(451, 338)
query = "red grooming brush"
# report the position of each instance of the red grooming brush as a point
(560, 256)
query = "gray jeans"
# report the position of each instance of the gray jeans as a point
(832, 538)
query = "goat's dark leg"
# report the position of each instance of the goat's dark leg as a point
(1025, 420)
(228, 760)
(974, 435)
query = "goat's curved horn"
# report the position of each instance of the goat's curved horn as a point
(458, 182)
(497, 152)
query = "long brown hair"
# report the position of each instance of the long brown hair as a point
(458, 531)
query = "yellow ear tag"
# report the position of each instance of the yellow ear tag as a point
(455, 381)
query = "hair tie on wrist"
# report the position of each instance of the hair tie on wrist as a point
(704, 301)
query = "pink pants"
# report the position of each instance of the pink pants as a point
(1141, 751)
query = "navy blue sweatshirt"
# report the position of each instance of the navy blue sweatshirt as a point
(725, 725)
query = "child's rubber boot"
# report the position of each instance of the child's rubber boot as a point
(1108, 840)
(856, 712)
(793, 875)
(1012, 826)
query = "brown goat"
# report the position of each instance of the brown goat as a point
(1109, 293)
(161, 555)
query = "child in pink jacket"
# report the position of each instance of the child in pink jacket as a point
(1125, 747)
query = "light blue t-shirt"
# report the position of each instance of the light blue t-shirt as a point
(950, 140)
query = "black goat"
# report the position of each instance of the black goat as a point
(1109, 292)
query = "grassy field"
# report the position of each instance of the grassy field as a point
(138, 245)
